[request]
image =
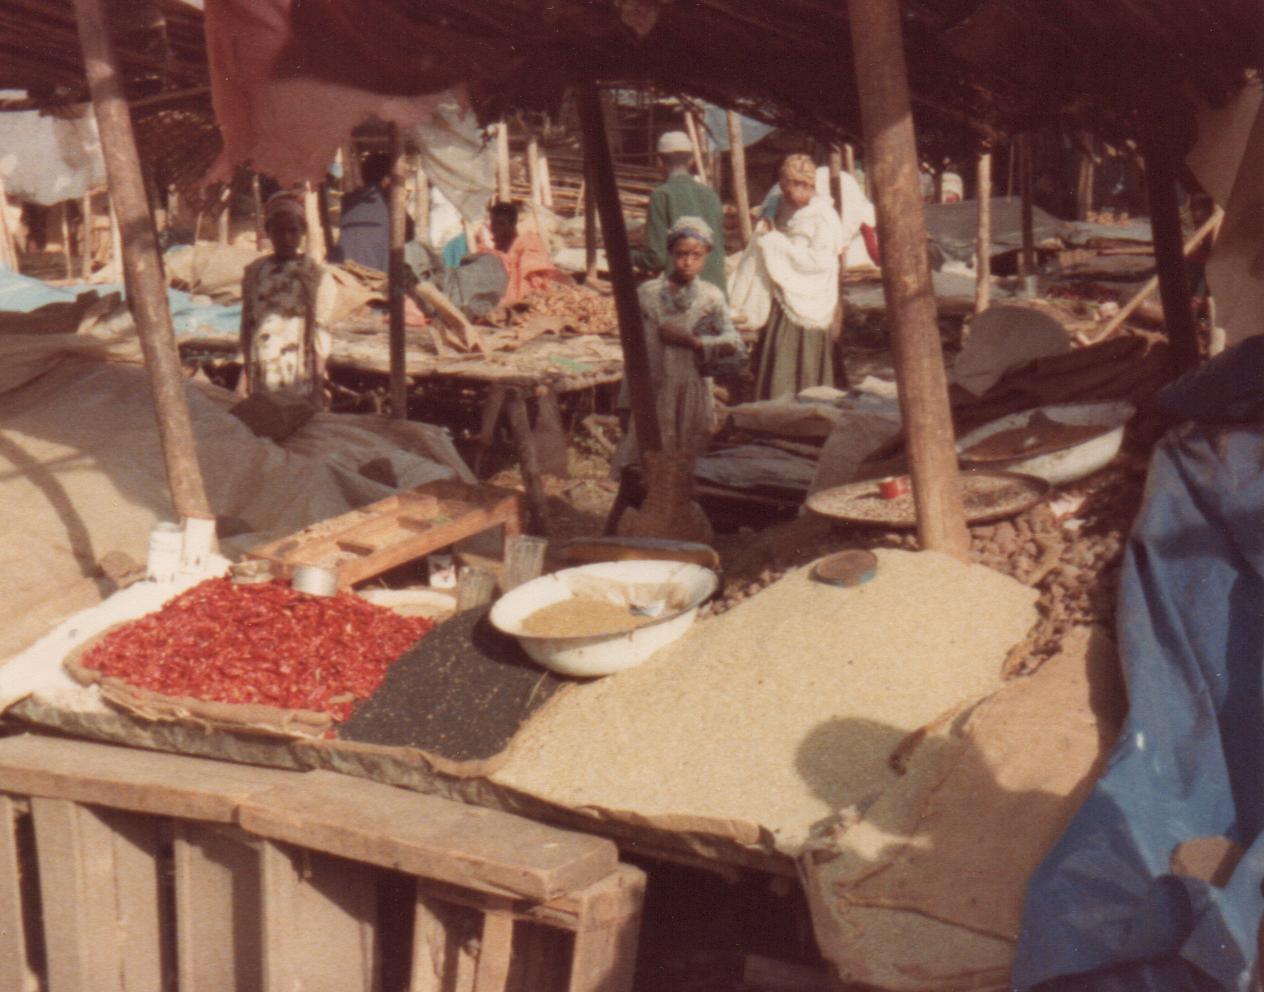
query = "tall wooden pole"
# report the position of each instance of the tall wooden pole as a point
(741, 194)
(116, 268)
(601, 177)
(397, 290)
(698, 159)
(983, 239)
(85, 263)
(503, 191)
(546, 182)
(589, 202)
(317, 249)
(64, 209)
(849, 159)
(891, 165)
(533, 168)
(421, 204)
(1162, 164)
(1027, 261)
(8, 248)
(146, 292)
(256, 197)
(836, 177)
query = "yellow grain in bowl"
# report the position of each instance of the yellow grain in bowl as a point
(577, 617)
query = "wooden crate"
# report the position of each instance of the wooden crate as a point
(133, 871)
(401, 528)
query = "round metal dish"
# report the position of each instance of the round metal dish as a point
(1061, 464)
(988, 496)
(846, 569)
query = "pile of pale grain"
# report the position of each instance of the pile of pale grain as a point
(782, 711)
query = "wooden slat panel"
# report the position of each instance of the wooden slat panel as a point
(99, 887)
(15, 971)
(428, 837)
(445, 937)
(127, 778)
(608, 932)
(494, 953)
(218, 909)
(319, 916)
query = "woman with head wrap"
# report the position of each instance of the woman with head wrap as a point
(286, 301)
(799, 247)
(689, 336)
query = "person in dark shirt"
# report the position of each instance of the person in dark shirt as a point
(365, 221)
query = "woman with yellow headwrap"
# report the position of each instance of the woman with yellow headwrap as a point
(799, 247)
(286, 300)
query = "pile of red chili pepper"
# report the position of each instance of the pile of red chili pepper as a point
(262, 643)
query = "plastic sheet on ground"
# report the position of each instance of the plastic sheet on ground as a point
(82, 470)
(1105, 910)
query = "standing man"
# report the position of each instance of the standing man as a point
(680, 195)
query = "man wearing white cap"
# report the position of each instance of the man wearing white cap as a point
(680, 195)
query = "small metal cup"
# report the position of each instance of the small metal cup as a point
(314, 580)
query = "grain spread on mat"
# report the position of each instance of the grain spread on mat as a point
(261, 643)
(578, 617)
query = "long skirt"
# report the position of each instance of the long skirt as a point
(792, 357)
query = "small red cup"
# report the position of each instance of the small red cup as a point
(894, 487)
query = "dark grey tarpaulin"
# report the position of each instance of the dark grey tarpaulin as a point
(954, 228)
(1105, 912)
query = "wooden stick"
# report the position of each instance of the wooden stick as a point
(421, 205)
(520, 430)
(546, 182)
(146, 292)
(316, 247)
(1027, 260)
(619, 259)
(256, 195)
(849, 159)
(223, 223)
(836, 177)
(533, 168)
(64, 209)
(589, 203)
(1162, 166)
(983, 238)
(741, 194)
(8, 248)
(116, 244)
(503, 192)
(395, 279)
(692, 127)
(85, 261)
(891, 164)
(1209, 228)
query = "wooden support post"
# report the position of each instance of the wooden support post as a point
(588, 200)
(983, 237)
(116, 267)
(504, 191)
(699, 161)
(8, 247)
(1084, 179)
(421, 205)
(891, 164)
(836, 177)
(741, 193)
(849, 159)
(15, 971)
(631, 332)
(546, 182)
(520, 429)
(397, 291)
(63, 209)
(1027, 261)
(223, 226)
(256, 195)
(316, 247)
(533, 168)
(85, 261)
(146, 289)
(608, 931)
(1162, 166)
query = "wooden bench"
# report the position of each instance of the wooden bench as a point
(133, 868)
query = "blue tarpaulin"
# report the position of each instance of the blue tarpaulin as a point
(1104, 912)
(22, 294)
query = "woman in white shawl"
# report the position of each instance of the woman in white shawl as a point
(799, 248)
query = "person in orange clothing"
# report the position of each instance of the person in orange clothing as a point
(526, 260)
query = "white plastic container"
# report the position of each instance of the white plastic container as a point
(1068, 464)
(166, 542)
(603, 654)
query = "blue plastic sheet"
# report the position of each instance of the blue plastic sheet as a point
(1104, 912)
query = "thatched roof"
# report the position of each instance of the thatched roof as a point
(980, 66)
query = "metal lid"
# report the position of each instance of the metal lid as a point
(846, 568)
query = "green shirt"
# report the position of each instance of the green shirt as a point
(682, 196)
